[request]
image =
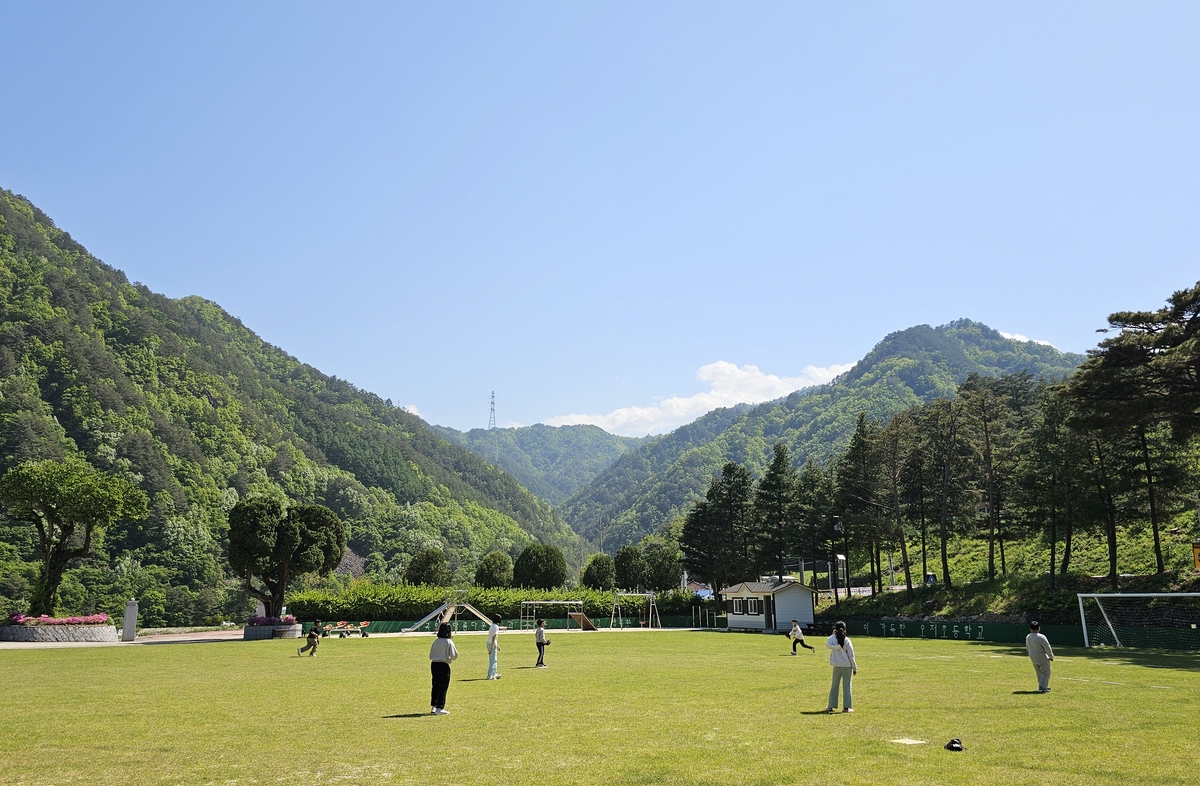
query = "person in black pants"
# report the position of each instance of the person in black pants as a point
(539, 638)
(798, 637)
(441, 655)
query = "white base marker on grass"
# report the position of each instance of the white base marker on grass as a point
(907, 741)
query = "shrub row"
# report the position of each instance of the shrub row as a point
(367, 600)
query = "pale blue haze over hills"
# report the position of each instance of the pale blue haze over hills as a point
(582, 208)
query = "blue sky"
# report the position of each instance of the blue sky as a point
(616, 212)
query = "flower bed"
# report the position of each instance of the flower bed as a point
(45, 619)
(258, 628)
(284, 620)
(93, 627)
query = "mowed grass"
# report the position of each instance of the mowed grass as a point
(614, 708)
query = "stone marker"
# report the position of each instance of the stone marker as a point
(129, 625)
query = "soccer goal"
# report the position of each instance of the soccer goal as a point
(1157, 620)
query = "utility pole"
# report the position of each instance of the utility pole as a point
(492, 416)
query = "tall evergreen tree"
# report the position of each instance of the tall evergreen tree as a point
(776, 512)
(718, 533)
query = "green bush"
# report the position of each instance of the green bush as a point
(599, 574)
(495, 571)
(540, 566)
(428, 567)
(367, 600)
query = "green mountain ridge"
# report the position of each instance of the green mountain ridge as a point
(553, 462)
(183, 399)
(649, 485)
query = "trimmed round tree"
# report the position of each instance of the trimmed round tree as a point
(495, 571)
(274, 545)
(630, 565)
(600, 573)
(69, 504)
(540, 566)
(429, 567)
(664, 571)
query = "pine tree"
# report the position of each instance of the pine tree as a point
(776, 512)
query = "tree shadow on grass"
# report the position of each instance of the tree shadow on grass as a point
(409, 715)
(474, 679)
(819, 712)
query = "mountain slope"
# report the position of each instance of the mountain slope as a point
(183, 399)
(647, 486)
(553, 462)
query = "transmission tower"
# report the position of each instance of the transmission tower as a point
(492, 416)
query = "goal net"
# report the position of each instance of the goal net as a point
(1156, 620)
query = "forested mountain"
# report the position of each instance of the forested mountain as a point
(181, 398)
(551, 461)
(649, 485)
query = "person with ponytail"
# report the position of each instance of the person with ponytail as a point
(841, 658)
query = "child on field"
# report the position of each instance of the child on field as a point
(441, 655)
(1038, 647)
(539, 638)
(314, 638)
(841, 658)
(797, 637)
(493, 648)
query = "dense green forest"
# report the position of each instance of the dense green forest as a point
(648, 486)
(553, 462)
(1006, 475)
(182, 399)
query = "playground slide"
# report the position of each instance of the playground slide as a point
(584, 622)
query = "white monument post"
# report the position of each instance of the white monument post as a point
(129, 624)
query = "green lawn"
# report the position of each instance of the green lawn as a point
(622, 708)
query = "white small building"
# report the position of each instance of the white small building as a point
(768, 605)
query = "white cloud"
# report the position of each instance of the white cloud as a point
(412, 409)
(728, 384)
(1019, 337)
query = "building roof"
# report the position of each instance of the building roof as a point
(764, 587)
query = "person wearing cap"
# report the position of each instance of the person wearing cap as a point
(1038, 647)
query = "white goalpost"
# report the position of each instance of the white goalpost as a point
(1157, 620)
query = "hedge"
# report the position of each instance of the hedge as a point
(367, 600)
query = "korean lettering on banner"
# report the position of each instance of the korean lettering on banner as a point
(901, 628)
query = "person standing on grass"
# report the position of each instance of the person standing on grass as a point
(1038, 647)
(441, 655)
(797, 637)
(314, 638)
(841, 658)
(493, 648)
(539, 638)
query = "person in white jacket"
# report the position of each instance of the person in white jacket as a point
(1038, 647)
(493, 648)
(441, 655)
(797, 637)
(841, 658)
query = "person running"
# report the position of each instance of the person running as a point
(493, 648)
(441, 655)
(314, 638)
(539, 638)
(797, 637)
(1038, 647)
(841, 658)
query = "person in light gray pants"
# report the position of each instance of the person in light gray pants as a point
(841, 658)
(1038, 647)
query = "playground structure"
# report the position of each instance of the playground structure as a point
(647, 611)
(530, 613)
(456, 599)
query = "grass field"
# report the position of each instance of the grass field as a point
(621, 708)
